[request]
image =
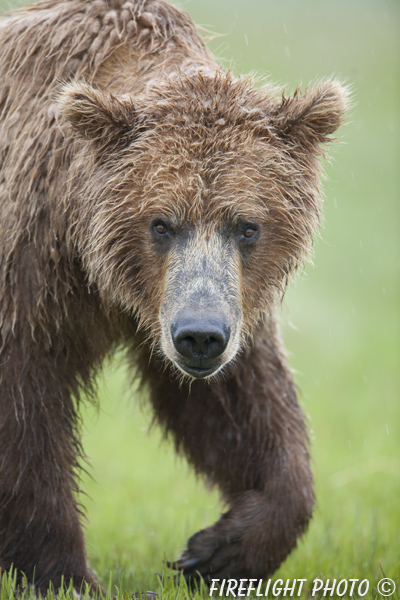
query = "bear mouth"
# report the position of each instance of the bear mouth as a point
(198, 372)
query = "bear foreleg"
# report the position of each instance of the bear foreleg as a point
(40, 529)
(246, 433)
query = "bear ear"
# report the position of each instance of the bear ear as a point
(96, 115)
(311, 117)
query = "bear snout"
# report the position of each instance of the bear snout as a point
(200, 340)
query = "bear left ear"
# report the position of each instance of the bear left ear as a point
(311, 117)
(96, 115)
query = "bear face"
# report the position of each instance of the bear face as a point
(202, 199)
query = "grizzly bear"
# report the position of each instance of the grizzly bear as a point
(150, 199)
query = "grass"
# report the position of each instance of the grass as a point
(143, 502)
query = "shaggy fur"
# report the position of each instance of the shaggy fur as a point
(127, 195)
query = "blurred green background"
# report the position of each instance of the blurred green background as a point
(340, 321)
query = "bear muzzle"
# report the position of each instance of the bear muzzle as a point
(200, 340)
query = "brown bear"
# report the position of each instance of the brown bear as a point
(150, 199)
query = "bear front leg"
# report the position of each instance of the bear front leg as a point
(40, 529)
(246, 433)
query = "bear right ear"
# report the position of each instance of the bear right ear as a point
(96, 115)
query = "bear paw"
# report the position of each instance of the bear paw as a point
(211, 554)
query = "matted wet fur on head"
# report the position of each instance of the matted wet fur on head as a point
(150, 200)
(214, 184)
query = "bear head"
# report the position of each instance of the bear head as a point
(193, 203)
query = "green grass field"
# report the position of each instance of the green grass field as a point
(340, 319)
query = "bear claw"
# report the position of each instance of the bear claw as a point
(182, 563)
(194, 570)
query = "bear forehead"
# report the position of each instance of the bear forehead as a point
(194, 162)
(224, 175)
(213, 151)
(189, 190)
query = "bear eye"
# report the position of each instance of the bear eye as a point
(249, 232)
(160, 228)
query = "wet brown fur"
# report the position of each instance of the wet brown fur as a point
(149, 125)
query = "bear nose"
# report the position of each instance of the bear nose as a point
(198, 337)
